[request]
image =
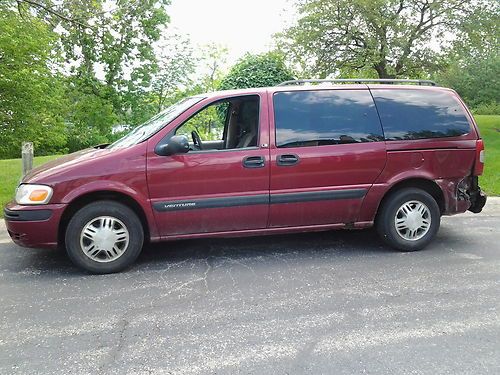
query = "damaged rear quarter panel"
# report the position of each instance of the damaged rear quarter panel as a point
(447, 167)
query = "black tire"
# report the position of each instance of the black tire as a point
(386, 219)
(92, 211)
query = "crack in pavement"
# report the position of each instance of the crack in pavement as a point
(115, 352)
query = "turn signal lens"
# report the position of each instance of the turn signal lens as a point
(38, 195)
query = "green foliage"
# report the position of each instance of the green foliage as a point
(32, 102)
(212, 58)
(69, 89)
(257, 71)
(490, 132)
(117, 36)
(473, 62)
(10, 174)
(209, 123)
(386, 38)
(480, 34)
(476, 79)
(175, 65)
(487, 109)
(113, 60)
(90, 119)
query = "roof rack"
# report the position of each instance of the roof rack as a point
(420, 82)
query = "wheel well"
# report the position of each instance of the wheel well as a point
(427, 185)
(85, 199)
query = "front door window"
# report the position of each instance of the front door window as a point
(224, 125)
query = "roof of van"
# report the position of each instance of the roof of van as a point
(321, 87)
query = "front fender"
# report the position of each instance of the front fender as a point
(102, 187)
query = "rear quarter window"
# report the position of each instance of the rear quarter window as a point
(327, 117)
(418, 114)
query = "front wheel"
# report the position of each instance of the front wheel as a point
(104, 237)
(408, 219)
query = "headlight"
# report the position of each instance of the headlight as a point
(33, 194)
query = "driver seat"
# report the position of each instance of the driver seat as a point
(249, 116)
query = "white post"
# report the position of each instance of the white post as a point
(27, 156)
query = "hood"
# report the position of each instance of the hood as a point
(64, 164)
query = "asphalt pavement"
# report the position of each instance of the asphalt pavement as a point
(320, 303)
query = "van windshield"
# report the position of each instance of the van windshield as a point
(153, 125)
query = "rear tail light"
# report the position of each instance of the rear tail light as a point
(479, 163)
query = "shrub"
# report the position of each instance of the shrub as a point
(264, 70)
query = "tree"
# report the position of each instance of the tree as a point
(212, 60)
(90, 117)
(107, 57)
(257, 71)
(480, 34)
(109, 38)
(208, 72)
(175, 66)
(476, 80)
(473, 61)
(32, 101)
(382, 38)
(108, 45)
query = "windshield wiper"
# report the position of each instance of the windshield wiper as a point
(101, 146)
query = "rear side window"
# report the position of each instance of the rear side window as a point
(317, 118)
(418, 114)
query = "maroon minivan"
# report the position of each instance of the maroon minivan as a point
(303, 156)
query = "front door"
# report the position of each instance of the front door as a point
(222, 183)
(327, 152)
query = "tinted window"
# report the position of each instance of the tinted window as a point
(417, 114)
(316, 118)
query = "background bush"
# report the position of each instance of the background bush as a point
(264, 70)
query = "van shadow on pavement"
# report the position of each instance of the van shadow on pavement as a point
(339, 243)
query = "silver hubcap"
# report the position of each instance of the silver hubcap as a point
(104, 239)
(413, 220)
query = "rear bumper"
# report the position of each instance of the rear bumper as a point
(476, 196)
(461, 195)
(31, 226)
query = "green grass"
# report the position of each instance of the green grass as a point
(10, 170)
(10, 173)
(490, 132)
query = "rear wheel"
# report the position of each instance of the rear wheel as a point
(104, 237)
(408, 219)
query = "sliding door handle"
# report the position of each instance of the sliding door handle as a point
(254, 162)
(288, 159)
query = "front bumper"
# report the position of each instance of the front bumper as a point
(34, 226)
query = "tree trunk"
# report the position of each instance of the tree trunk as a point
(381, 68)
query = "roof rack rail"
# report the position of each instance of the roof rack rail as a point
(420, 82)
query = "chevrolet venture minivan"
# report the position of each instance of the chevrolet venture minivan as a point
(302, 156)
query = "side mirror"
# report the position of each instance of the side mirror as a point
(178, 144)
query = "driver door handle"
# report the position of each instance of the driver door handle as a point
(254, 162)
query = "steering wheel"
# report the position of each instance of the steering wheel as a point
(196, 139)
